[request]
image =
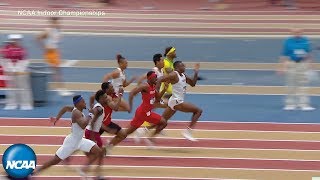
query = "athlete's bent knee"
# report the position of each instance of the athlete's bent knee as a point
(96, 151)
(121, 134)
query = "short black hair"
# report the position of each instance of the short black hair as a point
(99, 94)
(175, 64)
(105, 85)
(149, 73)
(156, 58)
(167, 50)
(75, 97)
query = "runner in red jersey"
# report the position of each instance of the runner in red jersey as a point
(109, 126)
(144, 112)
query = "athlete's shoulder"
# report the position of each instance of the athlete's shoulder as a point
(76, 113)
(144, 86)
(167, 63)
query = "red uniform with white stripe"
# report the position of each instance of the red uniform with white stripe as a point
(144, 111)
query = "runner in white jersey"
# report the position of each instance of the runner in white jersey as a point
(93, 128)
(176, 102)
(75, 140)
(118, 80)
(158, 68)
(49, 40)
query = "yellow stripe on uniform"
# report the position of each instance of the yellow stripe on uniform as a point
(168, 64)
(146, 124)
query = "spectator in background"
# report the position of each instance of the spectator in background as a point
(16, 67)
(49, 40)
(295, 61)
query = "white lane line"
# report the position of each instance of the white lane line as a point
(182, 35)
(187, 147)
(183, 121)
(69, 63)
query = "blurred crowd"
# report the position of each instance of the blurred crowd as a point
(16, 74)
(290, 4)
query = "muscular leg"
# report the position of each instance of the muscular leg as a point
(95, 152)
(188, 107)
(116, 140)
(55, 160)
(100, 161)
(168, 113)
(159, 127)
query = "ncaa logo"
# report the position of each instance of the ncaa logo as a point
(19, 161)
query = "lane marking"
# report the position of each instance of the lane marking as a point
(191, 157)
(184, 121)
(187, 147)
(69, 63)
(174, 129)
(184, 35)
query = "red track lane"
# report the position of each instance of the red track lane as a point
(256, 144)
(196, 162)
(172, 5)
(151, 20)
(152, 29)
(196, 11)
(181, 125)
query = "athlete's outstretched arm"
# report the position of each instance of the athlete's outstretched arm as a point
(192, 82)
(61, 113)
(135, 91)
(115, 104)
(141, 79)
(91, 101)
(113, 75)
(169, 78)
(127, 83)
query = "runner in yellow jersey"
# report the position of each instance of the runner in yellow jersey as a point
(170, 54)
